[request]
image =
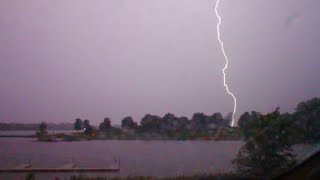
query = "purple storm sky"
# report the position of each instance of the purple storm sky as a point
(60, 60)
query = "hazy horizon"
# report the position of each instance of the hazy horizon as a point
(60, 60)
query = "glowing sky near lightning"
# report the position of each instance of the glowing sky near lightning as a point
(65, 59)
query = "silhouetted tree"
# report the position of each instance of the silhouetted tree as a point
(128, 123)
(307, 117)
(245, 122)
(168, 118)
(169, 123)
(78, 124)
(42, 129)
(267, 151)
(86, 123)
(105, 125)
(219, 122)
(151, 122)
(199, 121)
(217, 119)
(183, 122)
(88, 129)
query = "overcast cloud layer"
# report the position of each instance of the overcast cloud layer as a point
(93, 59)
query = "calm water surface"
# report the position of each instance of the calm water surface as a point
(150, 158)
(147, 158)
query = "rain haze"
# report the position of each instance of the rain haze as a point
(60, 60)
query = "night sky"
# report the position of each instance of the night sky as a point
(60, 60)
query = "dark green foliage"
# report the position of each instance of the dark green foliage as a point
(151, 123)
(169, 127)
(307, 118)
(78, 124)
(246, 123)
(218, 120)
(42, 129)
(30, 176)
(303, 126)
(105, 125)
(86, 123)
(128, 123)
(88, 129)
(199, 120)
(267, 151)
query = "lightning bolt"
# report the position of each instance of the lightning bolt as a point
(227, 62)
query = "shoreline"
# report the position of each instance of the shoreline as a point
(18, 136)
(69, 138)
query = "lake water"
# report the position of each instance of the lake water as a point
(147, 158)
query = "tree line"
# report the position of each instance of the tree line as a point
(303, 124)
(199, 123)
(270, 137)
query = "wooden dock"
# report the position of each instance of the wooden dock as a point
(67, 168)
(58, 170)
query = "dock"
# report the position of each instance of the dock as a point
(67, 168)
(58, 170)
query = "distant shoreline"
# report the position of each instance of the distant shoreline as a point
(62, 137)
(34, 126)
(18, 136)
